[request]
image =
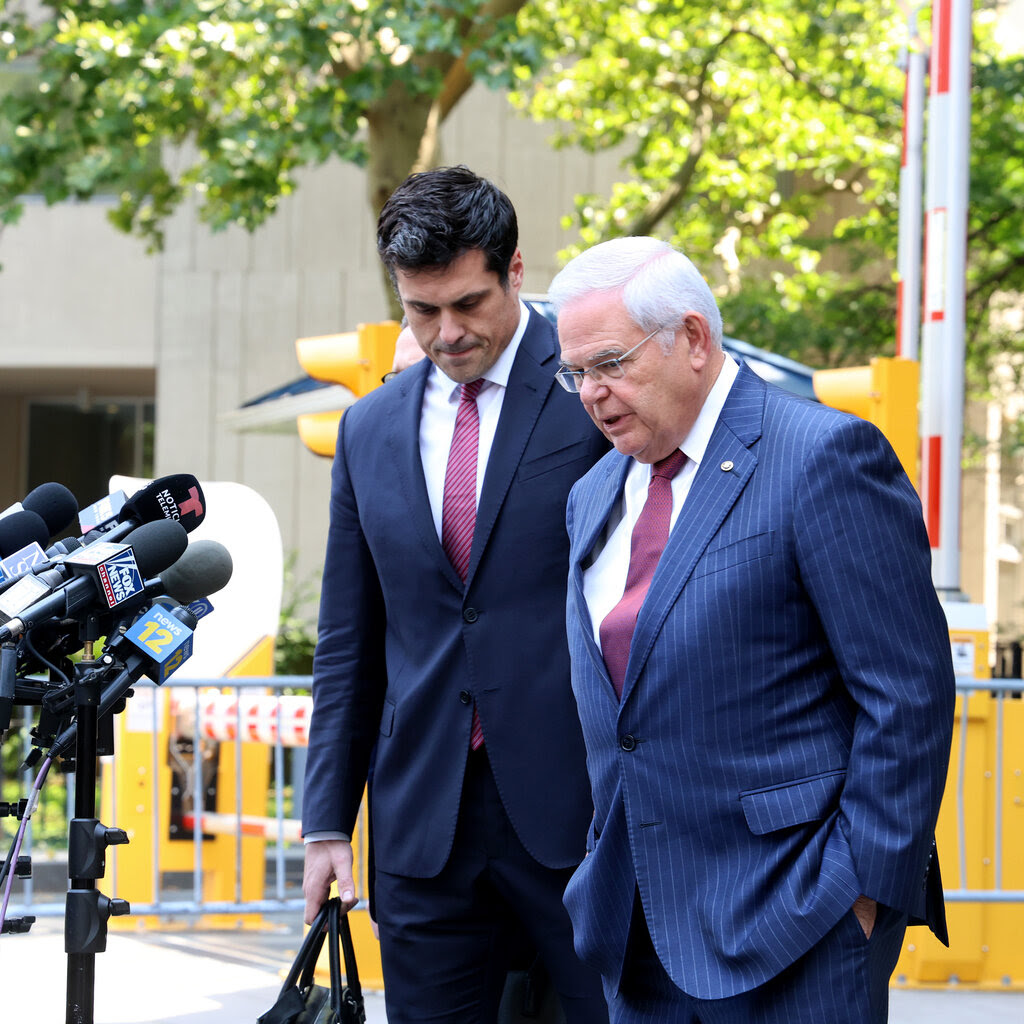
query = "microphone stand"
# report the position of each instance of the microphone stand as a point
(87, 910)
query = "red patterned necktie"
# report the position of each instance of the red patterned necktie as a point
(646, 545)
(458, 507)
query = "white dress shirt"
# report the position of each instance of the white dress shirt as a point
(437, 419)
(604, 580)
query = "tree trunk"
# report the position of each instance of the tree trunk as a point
(396, 126)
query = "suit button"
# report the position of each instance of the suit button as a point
(470, 615)
(628, 742)
(465, 696)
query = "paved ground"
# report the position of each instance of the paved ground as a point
(202, 977)
(156, 978)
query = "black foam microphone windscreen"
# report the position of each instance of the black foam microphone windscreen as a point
(19, 529)
(157, 545)
(55, 504)
(177, 496)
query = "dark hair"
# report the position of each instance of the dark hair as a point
(435, 216)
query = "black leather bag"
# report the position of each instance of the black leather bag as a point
(301, 1000)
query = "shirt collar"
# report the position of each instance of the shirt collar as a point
(502, 368)
(695, 444)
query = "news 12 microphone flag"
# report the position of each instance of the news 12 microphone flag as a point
(247, 611)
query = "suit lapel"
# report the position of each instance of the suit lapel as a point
(596, 500)
(529, 383)
(403, 437)
(721, 477)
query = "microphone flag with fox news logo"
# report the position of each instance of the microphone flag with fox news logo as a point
(113, 565)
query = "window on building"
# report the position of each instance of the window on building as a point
(83, 446)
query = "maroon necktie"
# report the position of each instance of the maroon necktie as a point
(458, 507)
(648, 541)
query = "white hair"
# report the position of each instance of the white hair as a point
(659, 285)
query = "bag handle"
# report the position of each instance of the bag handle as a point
(341, 942)
(332, 924)
(300, 974)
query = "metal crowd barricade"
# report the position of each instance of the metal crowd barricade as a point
(1005, 694)
(240, 857)
(150, 706)
(980, 838)
(980, 832)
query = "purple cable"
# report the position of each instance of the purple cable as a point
(36, 787)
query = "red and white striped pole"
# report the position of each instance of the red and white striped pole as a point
(908, 259)
(942, 357)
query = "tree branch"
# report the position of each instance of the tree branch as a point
(992, 281)
(793, 70)
(458, 78)
(680, 182)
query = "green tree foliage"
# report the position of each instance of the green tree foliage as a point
(765, 140)
(152, 99)
(296, 633)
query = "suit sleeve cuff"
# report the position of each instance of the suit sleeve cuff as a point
(321, 837)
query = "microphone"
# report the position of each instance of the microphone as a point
(33, 559)
(54, 504)
(174, 627)
(113, 572)
(203, 569)
(150, 544)
(21, 528)
(178, 497)
(19, 544)
(63, 547)
(102, 514)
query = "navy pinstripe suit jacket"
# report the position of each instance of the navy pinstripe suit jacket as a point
(783, 736)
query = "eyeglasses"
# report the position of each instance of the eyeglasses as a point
(572, 380)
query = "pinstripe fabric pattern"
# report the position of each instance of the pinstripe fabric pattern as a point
(783, 734)
(843, 979)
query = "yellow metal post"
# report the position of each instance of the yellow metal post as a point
(223, 858)
(985, 950)
(143, 793)
(142, 787)
(885, 393)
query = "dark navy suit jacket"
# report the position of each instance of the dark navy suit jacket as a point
(783, 736)
(405, 648)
